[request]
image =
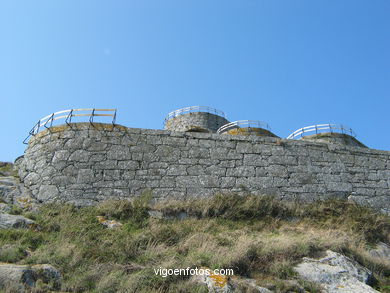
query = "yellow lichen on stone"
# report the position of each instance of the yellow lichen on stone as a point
(219, 280)
(76, 126)
(249, 131)
(108, 223)
(101, 219)
(25, 202)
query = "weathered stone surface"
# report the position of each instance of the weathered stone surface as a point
(22, 278)
(206, 122)
(80, 156)
(8, 221)
(190, 163)
(336, 273)
(249, 285)
(47, 192)
(215, 283)
(381, 252)
(4, 208)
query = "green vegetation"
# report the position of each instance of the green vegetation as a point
(259, 237)
(7, 169)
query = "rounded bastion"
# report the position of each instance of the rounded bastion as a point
(247, 127)
(333, 137)
(195, 119)
(328, 133)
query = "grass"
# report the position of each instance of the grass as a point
(7, 169)
(258, 237)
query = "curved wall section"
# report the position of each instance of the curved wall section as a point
(85, 163)
(334, 137)
(196, 121)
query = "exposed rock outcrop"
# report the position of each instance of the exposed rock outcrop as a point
(8, 221)
(21, 278)
(12, 191)
(217, 283)
(382, 252)
(336, 273)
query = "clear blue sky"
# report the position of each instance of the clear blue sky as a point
(290, 63)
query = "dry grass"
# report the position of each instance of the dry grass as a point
(258, 237)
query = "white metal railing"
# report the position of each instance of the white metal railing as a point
(321, 128)
(192, 109)
(48, 120)
(243, 123)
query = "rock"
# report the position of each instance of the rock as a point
(336, 273)
(8, 221)
(247, 285)
(381, 252)
(109, 223)
(7, 185)
(227, 284)
(215, 283)
(6, 169)
(13, 192)
(21, 278)
(4, 208)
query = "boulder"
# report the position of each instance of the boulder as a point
(5, 208)
(215, 283)
(8, 221)
(14, 192)
(247, 285)
(336, 273)
(7, 186)
(381, 252)
(21, 278)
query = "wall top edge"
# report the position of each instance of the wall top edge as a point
(198, 135)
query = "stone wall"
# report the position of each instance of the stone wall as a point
(86, 163)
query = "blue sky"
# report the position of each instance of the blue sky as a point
(290, 63)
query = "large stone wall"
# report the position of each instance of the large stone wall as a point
(86, 163)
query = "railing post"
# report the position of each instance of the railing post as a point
(52, 119)
(69, 117)
(91, 118)
(114, 118)
(39, 125)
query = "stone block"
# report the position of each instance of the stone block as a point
(244, 148)
(128, 165)
(168, 182)
(47, 193)
(228, 182)
(278, 171)
(255, 160)
(61, 155)
(176, 170)
(80, 156)
(195, 170)
(241, 171)
(118, 152)
(187, 181)
(85, 176)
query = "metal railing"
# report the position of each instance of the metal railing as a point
(192, 109)
(48, 120)
(243, 123)
(321, 128)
